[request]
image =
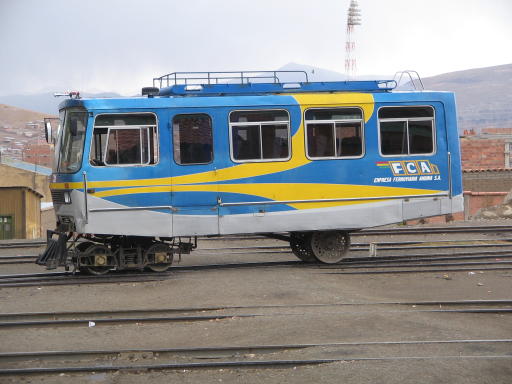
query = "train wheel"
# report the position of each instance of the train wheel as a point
(159, 257)
(93, 258)
(300, 245)
(330, 247)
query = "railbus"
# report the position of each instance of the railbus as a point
(137, 179)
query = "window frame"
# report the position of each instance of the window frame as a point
(156, 143)
(406, 120)
(333, 122)
(60, 141)
(173, 142)
(260, 124)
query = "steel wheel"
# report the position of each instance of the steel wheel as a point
(94, 258)
(300, 245)
(330, 247)
(159, 257)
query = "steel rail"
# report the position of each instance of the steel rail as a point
(23, 245)
(121, 320)
(242, 348)
(395, 264)
(404, 271)
(436, 303)
(152, 277)
(236, 364)
(29, 259)
(108, 279)
(61, 278)
(391, 245)
(98, 320)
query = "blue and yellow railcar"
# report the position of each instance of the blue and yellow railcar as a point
(137, 177)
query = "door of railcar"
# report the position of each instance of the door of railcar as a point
(259, 150)
(194, 195)
(128, 180)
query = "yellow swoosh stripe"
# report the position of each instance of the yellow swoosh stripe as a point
(285, 192)
(313, 100)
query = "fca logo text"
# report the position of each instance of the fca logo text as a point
(413, 168)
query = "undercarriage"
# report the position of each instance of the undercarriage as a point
(98, 254)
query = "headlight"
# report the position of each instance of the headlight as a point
(67, 197)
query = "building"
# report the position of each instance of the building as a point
(15, 173)
(39, 154)
(20, 213)
(487, 168)
(491, 149)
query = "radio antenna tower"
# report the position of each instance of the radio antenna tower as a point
(353, 19)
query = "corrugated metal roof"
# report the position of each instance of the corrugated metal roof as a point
(26, 166)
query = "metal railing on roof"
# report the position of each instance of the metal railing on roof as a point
(414, 82)
(229, 77)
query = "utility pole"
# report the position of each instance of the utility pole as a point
(36, 153)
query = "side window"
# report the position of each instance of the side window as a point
(406, 130)
(193, 139)
(260, 135)
(334, 133)
(124, 139)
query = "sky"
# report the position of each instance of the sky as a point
(120, 45)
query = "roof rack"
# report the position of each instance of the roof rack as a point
(257, 82)
(231, 77)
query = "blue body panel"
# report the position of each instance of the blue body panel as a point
(358, 171)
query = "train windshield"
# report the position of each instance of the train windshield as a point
(71, 142)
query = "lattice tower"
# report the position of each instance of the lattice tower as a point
(353, 19)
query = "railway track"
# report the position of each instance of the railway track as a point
(365, 232)
(355, 248)
(249, 356)
(68, 278)
(195, 314)
(490, 260)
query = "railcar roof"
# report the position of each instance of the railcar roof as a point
(247, 100)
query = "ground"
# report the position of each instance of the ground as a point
(288, 288)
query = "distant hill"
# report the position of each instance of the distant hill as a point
(19, 129)
(17, 118)
(484, 95)
(314, 73)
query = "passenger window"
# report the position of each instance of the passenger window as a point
(260, 135)
(406, 130)
(124, 139)
(193, 139)
(334, 133)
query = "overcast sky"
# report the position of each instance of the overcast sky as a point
(120, 45)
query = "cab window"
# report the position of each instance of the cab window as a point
(71, 144)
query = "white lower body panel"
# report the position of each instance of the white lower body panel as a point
(105, 217)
